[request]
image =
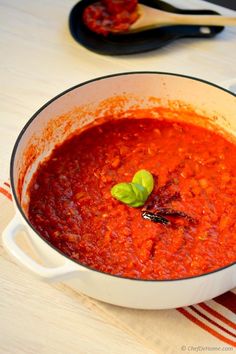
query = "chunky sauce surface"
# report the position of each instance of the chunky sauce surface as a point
(71, 205)
(107, 16)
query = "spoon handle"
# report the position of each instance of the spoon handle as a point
(152, 18)
(208, 20)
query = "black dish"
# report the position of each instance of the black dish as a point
(121, 44)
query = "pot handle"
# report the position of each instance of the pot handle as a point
(59, 273)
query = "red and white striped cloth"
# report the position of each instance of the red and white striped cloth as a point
(215, 317)
(208, 326)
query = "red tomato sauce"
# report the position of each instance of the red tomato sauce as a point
(194, 170)
(107, 16)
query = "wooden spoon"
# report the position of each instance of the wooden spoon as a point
(150, 18)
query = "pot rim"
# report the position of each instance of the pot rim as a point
(12, 161)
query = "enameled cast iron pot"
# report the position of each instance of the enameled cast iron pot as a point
(52, 124)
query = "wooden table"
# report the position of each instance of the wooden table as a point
(39, 59)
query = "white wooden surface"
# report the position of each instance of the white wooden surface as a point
(39, 59)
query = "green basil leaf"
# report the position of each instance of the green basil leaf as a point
(141, 195)
(124, 193)
(145, 179)
(131, 194)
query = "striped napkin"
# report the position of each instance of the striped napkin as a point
(204, 327)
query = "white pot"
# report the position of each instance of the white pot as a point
(47, 128)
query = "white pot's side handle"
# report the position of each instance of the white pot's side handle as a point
(49, 274)
(230, 85)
